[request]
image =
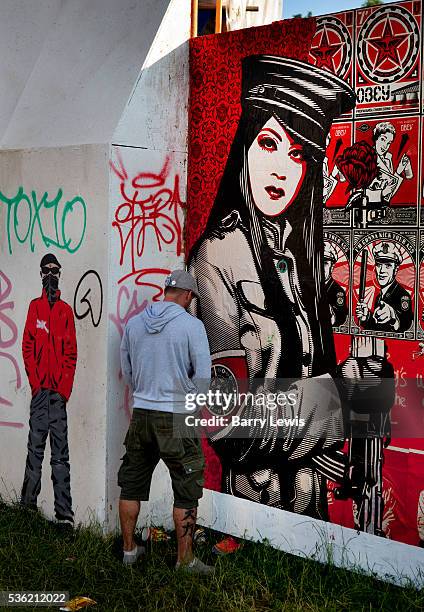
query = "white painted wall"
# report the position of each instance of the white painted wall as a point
(78, 171)
(150, 138)
(391, 561)
(69, 69)
(269, 11)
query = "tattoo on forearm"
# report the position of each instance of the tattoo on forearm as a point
(189, 522)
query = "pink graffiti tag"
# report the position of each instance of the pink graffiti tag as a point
(127, 306)
(8, 337)
(149, 207)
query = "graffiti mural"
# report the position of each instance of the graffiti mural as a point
(30, 215)
(311, 133)
(88, 298)
(49, 350)
(149, 211)
(8, 338)
(127, 306)
(273, 281)
(147, 226)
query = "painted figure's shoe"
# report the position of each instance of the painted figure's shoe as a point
(61, 519)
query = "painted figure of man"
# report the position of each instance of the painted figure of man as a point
(336, 295)
(49, 350)
(392, 310)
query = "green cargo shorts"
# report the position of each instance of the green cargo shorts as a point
(154, 435)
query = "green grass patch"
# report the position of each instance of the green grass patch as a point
(36, 555)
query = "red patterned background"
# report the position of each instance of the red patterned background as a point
(214, 109)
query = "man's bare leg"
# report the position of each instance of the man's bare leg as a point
(128, 514)
(185, 523)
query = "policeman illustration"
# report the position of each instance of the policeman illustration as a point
(335, 293)
(392, 309)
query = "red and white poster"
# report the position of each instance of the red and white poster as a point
(383, 296)
(335, 192)
(388, 58)
(420, 291)
(303, 234)
(394, 190)
(332, 46)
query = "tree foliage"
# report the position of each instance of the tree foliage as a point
(309, 14)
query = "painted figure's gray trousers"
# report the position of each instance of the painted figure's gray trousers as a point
(48, 415)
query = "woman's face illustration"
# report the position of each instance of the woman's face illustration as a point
(383, 142)
(276, 169)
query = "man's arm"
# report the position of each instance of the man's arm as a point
(28, 350)
(125, 358)
(69, 354)
(200, 358)
(402, 314)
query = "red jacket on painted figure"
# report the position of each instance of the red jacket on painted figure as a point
(49, 346)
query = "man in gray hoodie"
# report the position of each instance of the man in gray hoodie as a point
(164, 356)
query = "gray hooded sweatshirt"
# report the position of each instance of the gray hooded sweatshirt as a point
(164, 356)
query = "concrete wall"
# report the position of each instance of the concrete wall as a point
(69, 70)
(75, 180)
(68, 67)
(147, 196)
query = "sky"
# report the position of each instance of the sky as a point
(317, 7)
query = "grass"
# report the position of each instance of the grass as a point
(36, 556)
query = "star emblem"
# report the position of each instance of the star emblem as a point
(324, 52)
(387, 46)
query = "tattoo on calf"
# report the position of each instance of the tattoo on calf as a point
(189, 522)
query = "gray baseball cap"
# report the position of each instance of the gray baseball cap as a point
(180, 279)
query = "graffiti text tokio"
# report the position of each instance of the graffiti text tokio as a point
(30, 214)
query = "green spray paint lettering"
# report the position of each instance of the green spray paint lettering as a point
(28, 216)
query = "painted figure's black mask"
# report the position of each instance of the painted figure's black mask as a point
(51, 285)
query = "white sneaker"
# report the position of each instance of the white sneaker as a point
(131, 557)
(196, 567)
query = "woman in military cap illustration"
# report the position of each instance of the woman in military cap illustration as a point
(259, 267)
